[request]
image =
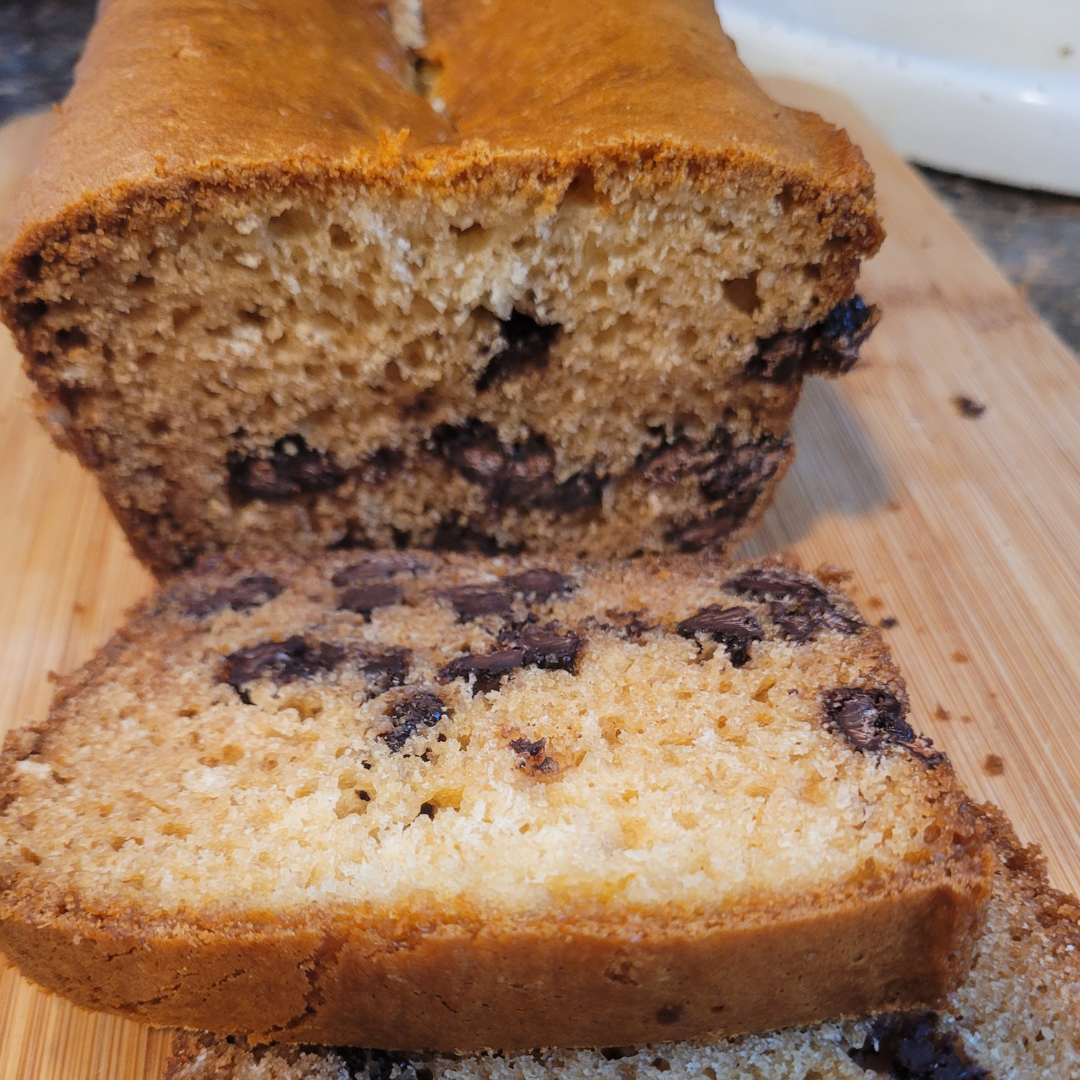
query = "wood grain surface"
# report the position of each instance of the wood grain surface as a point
(966, 531)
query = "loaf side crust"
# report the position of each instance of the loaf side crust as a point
(1016, 1018)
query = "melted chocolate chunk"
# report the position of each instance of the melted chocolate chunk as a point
(799, 608)
(909, 1046)
(627, 624)
(708, 532)
(774, 583)
(523, 343)
(522, 475)
(544, 647)
(474, 450)
(532, 646)
(731, 475)
(734, 627)
(488, 670)
(533, 757)
(873, 720)
(740, 472)
(829, 348)
(474, 601)
(246, 593)
(384, 669)
(417, 710)
(377, 566)
(292, 469)
(462, 537)
(671, 463)
(582, 491)
(364, 599)
(282, 661)
(528, 749)
(539, 584)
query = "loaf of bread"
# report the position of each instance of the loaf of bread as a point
(308, 273)
(454, 802)
(1017, 1017)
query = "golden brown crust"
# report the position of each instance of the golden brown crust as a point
(399, 983)
(316, 94)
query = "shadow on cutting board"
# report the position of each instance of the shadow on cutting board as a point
(837, 471)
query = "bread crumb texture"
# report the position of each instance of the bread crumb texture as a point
(296, 752)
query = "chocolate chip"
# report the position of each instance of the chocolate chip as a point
(726, 473)
(523, 343)
(532, 646)
(474, 601)
(837, 339)
(774, 583)
(282, 661)
(708, 532)
(364, 599)
(377, 566)
(292, 469)
(738, 474)
(415, 711)
(830, 348)
(873, 720)
(799, 608)
(671, 463)
(528, 749)
(474, 450)
(544, 647)
(522, 475)
(533, 757)
(528, 475)
(734, 627)
(384, 669)
(627, 624)
(909, 1046)
(246, 593)
(539, 584)
(457, 535)
(967, 407)
(582, 491)
(488, 670)
(779, 358)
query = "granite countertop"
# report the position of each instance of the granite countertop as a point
(1035, 237)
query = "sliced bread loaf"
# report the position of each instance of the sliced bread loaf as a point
(448, 803)
(554, 279)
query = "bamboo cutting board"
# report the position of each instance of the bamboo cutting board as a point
(966, 531)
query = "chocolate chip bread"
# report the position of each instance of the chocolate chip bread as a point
(473, 276)
(1017, 1017)
(451, 802)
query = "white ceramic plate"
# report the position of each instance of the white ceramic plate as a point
(990, 88)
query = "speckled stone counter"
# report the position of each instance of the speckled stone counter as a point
(1035, 237)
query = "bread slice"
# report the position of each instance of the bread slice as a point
(451, 803)
(553, 279)
(1017, 1017)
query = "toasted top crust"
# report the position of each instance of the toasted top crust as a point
(191, 102)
